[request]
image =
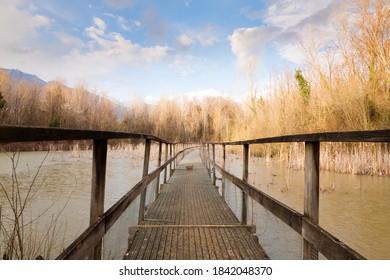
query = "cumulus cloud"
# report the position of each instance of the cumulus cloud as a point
(205, 36)
(113, 45)
(17, 26)
(286, 24)
(249, 43)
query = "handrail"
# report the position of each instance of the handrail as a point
(315, 239)
(348, 136)
(330, 246)
(83, 245)
(90, 239)
(9, 134)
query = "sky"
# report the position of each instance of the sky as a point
(149, 49)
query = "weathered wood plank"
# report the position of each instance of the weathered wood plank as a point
(245, 172)
(99, 161)
(350, 136)
(312, 193)
(322, 240)
(286, 214)
(145, 171)
(94, 233)
(9, 134)
(200, 222)
(326, 243)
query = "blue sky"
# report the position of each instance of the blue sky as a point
(147, 49)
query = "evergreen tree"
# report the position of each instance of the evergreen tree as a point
(303, 84)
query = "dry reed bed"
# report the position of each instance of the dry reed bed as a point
(352, 158)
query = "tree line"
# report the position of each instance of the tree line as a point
(55, 105)
(342, 87)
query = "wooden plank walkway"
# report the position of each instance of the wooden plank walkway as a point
(190, 220)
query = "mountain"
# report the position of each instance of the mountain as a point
(18, 75)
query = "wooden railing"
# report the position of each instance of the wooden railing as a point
(89, 243)
(315, 238)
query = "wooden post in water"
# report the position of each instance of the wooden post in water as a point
(214, 174)
(144, 174)
(223, 167)
(245, 170)
(312, 188)
(166, 159)
(99, 162)
(158, 165)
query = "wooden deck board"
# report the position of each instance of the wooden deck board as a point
(190, 220)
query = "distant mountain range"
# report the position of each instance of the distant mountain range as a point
(18, 75)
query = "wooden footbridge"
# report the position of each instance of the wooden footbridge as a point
(189, 218)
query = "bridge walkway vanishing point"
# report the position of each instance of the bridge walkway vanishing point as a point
(190, 220)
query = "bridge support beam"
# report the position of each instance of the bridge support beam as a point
(99, 162)
(312, 190)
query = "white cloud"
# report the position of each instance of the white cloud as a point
(69, 40)
(248, 44)
(200, 94)
(114, 46)
(287, 24)
(184, 41)
(208, 35)
(125, 24)
(17, 26)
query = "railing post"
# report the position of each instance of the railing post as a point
(144, 174)
(166, 159)
(99, 162)
(245, 168)
(175, 153)
(214, 175)
(170, 166)
(223, 167)
(208, 159)
(311, 199)
(158, 165)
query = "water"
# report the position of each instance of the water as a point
(63, 186)
(354, 208)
